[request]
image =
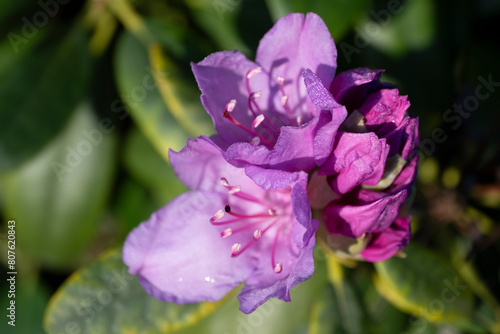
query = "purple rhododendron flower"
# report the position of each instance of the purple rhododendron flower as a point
(247, 218)
(290, 136)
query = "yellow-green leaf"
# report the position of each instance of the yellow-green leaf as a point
(57, 197)
(425, 285)
(104, 298)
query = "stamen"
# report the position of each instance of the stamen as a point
(250, 198)
(235, 249)
(230, 221)
(231, 105)
(277, 267)
(253, 72)
(250, 74)
(255, 95)
(257, 121)
(227, 115)
(257, 215)
(255, 141)
(224, 182)
(226, 233)
(217, 216)
(284, 100)
(232, 189)
(253, 225)
(299, 120)
(254, 107)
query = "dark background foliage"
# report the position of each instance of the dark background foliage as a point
(93, 93)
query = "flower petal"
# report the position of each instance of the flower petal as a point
(201, 164)
(294, 43)
(293, 150)
(331, 117)
(384, 111)
(372, 213)
(357, 158)
(297, 148)
(404, 139)
(278, 179)
(385, 244)
(221, 78)
(298, 266)
(180, 257)
(407, 176)
(350, 88)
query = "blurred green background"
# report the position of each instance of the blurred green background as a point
(93, 93)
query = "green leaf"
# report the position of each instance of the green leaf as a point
(350, 310)
(38, 93)
(411, 28)
(15, 8)
(58, 196)
(139, 91)
(104, 298)
(339, 15)
(425, 285)
(383, 315)
(218, 19)
(324, 317)
(148, 167)
(133, 205)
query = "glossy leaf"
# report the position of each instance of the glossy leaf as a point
(139, 92)
(339, 15)
(410, 27)
(218, 19)
(104, 298)
(148, 167)
(39, 91)
(58, 196)
(425, 285)
(132, 206)
(349, 307)
(324, 317)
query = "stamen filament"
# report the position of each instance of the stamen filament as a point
(241, 250)
(284, 99)
(258, 215)
(250, 198)
(277, 267)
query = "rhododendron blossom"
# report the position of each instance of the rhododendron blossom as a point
(290, 137)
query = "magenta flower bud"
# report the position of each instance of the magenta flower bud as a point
(372, 165)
